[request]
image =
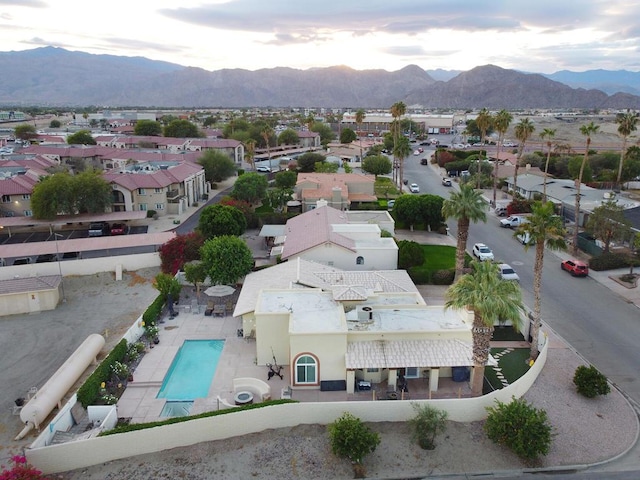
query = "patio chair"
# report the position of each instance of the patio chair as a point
(219, 310)
(209, 310)
(230, 307)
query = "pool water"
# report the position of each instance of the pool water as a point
(192, 370)
(176, 409)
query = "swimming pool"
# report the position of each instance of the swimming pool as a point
(192, 370)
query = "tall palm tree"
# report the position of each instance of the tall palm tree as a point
(545, 230)
(266, 133)
(586, 130)
(465, 206)
(250, 152)
(360, 114)
(524, 129)
(501, 123)
(547, 133)
(401, 150)
(484, 121)
(398, 109)
(627, 123)
(490, 298)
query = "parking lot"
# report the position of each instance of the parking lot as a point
(46, 236)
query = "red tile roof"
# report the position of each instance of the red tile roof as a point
(313, 228)
(158, 179)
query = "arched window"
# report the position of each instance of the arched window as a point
(360, 261)
(306, 370)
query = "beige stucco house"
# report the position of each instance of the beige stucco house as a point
(334, 329)
(325, 235)
(339, 190)
(30, 294)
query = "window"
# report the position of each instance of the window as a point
(159, 206)
(373, 370)
(143, 207)
(158, 190)
(28, 213)
(360, 261)
(141, 191)
(306, 370)
(6, 198)
(26, 196)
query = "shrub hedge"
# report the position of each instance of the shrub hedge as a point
(89, 392)
(609, 261)
(590, 382)
(153, 311)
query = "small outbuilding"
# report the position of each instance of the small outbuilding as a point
(30, 294)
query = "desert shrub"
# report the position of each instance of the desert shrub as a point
(590, 382)
(427, 423)
(519, 426)
(443, 277)
(609, 261)
(352, 439)
(151, 213)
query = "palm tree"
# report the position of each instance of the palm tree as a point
(490, 298)
(546, 230)
(547, 133)
(465, 206)
(250, 152)
(501, 124)
(626, 124)
(360, 114)
(266, 133)
(398, 109)
(401, 150)
(524, 129)
(484, 120)
(587, 131)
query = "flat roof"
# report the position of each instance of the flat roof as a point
(421, 319)
(311, 311)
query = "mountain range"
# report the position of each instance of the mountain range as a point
(52, 76)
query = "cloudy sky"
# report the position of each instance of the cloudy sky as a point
(535, 36)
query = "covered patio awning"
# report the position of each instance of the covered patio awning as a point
(408, 353)
(272, 230)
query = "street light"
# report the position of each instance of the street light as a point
(64, 297)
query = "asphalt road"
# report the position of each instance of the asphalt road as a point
(599, 324)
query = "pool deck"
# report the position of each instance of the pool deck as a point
(139, 402)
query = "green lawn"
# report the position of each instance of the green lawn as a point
(513, 365)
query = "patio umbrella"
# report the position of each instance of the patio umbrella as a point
(219, 290)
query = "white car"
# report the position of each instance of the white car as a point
(508, 273)
(482, 252)
(414, 188)
(263, 168)
(416, 152)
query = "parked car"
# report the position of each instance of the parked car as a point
(119, 229)
(47, 257)
(513, 221)
(508, 273)
(482, 252)
(501, 211)
(263, 168)
(71, 256)
(446, 182)
(98, 229)
(22, 261)
(575, 267)
(416, 152)
(414, 188)
(390, 204)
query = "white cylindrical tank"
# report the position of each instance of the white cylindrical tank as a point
(45, 400)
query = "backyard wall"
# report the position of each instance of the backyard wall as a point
(85, 266)
(93, 451)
